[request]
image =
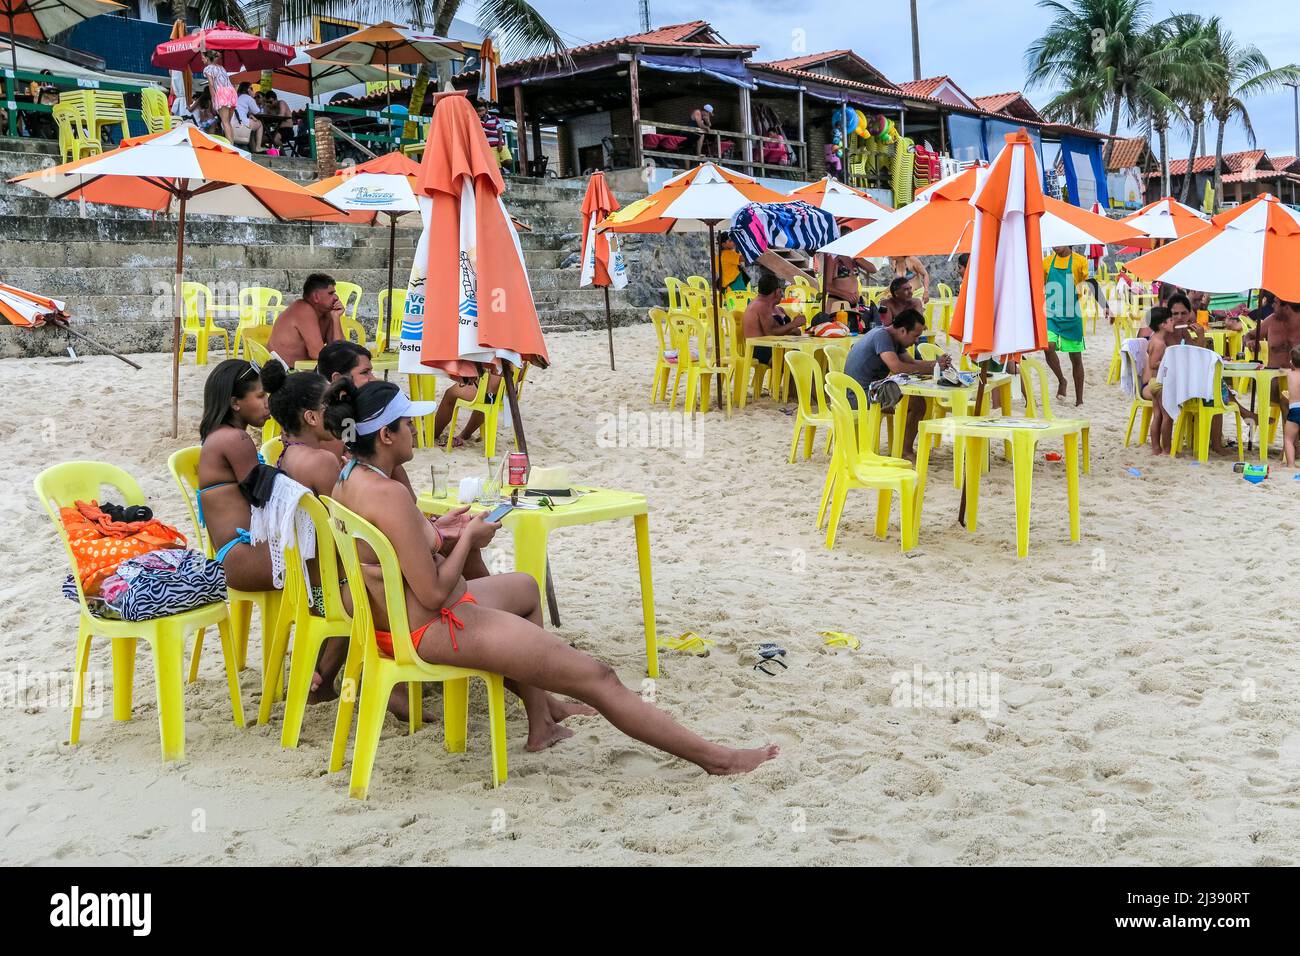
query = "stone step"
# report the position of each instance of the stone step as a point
(198, 230)
(161, 254)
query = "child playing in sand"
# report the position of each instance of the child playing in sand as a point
(1291, 439)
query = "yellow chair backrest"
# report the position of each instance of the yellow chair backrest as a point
(684, 328)
(184, 466)
(272, 449)
(1037, 390)
(326, 560)
(945, 291)
(674, 286)
(257, 348)
(807, 375)
(349, 294)
(928, 351)
(61, 486)
(835, 358)
(700, 283)
(659, 319)
(347, 528)
(153, 104)
(74, 137)
(389, 329)
(259, 305)
(868, 414)
(198, 305)
(846, 448)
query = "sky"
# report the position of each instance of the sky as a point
(979, 44)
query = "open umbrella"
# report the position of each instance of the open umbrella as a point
(852, 207)
(473, 306)
(308, 77)
(384, 185)
(602, 262)
(1000, 310)
(387, 43)
(694, 201)
(45, 19)
(1166, 219)
(183, 170)
(940, 223)
(239, 51)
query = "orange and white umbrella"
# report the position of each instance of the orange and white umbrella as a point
(179, 170)
(1254, 246)
(46, 19)
(1166, 219)
(1000, 310)
(469, 303)
(940, 221)
(852, 207)
(602, 261)
(28, 309)
(487, 72)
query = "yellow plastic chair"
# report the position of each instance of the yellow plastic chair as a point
(659, 383)
(674, 286)
(184, 466)
(1195, 418)
(349, 294)
(100, 109)
(311, 628)
(1089, 308)
(812, 412)
(153, 104)
(699, 284)
(62, 486)
(701, 371)
(257, 306)
(746, 367)
(1038, 402)
(377, 674)
(945, 291)
(1145, 405)
(198, 323)
(392, 307)
(835, 358)
(852, 471)
(490, 407)
(271, 450)
(75, 140)
(869, 418)
(1121, 330)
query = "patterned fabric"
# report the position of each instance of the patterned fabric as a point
(100, 544)
(158, 584)
(791, 225)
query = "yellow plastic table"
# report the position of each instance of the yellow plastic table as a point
(531, 528)
(1262, 379)
(1024, 434)
(379, 361)
(809, 344)
(959, 399)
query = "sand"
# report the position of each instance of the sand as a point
(1145, 680)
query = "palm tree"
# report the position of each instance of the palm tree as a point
(1243, 71)
(229, 12)
(1178, 64)
(1094, 50)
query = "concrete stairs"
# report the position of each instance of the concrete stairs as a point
(114, 265)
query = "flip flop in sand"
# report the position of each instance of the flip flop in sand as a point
(770, 654)
(688, 643)
(840, 639)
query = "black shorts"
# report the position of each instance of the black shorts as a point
(763, 354)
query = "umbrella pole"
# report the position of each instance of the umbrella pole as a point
(717, 311)
(609, 326)
(388, 94)
(177, 305)
(979, 404)
(508, 373)
(13, 53)
(392, 244)
(67, 327)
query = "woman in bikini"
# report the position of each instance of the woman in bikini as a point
(452, 622)
(233, 402)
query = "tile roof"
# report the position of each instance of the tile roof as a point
(997, 102)
(799, 62)
(776, 67)
(1280, 163)
(1245, 161)
(1127, 153)
(677, 34)
(924, 87)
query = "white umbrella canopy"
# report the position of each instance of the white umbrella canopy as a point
(840, 200)
(1167, 218)
(374, 192)
(46, 19)
(310, 77)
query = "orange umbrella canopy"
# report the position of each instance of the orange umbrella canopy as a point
(1254, 246)
(1000, 310)
(28, 309)
(388, 43)
(690, 201)
(1166, 218)
(478, 306)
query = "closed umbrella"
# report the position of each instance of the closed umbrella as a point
(179, 170)
(487, 75)
(602, 262)
(46, 19)
(31, 310)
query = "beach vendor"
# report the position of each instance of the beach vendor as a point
(450, 619)
(728, 266)
(764, 316)
(307, 325)
(1065, 271)
(702, 119)
(883, 352)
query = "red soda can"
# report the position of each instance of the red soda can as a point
(518, 464)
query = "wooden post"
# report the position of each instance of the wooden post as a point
(537, 140)
(521, 131)
(746, 127)
(943, 136)
(634, 81)
(803, 137)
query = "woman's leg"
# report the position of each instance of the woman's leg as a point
(255, 135)
(503, 643)
(447, 405)
(227, 129)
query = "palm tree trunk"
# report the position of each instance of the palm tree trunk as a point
(178, 10)
(446, 12)
(1163, 132)
(441, 25)
(274, 13)
(1218, 166)
(1114, 129)
(1191, 163)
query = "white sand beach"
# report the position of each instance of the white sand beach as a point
(1146, 679)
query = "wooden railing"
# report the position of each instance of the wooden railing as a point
(715, 136)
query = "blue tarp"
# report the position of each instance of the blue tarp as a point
(728, 71)
(981, 138)
(1085, 180)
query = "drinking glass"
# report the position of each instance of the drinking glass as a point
(439, 474)
(491, 493)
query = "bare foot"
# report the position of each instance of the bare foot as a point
(546, 735)
(399, 706)
(1157, 451)
(321, 691)
(563, 709)
(743, 761)
(1078, 401)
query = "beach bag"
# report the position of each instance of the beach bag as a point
(100, 544)
(161, 583)
(886, 393)
(831, 329)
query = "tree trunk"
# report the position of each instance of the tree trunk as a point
(178, 11)
(916, 45)
(274, 12)
(446, 11)
(441, 25)
(1218, 166)
(1191, 163)
(1114, 129)
(1163, 132)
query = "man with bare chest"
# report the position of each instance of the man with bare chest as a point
(308, 325)
(1281, 331)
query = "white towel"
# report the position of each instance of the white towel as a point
(1137, 348)
(1186, 372)
(281, 524)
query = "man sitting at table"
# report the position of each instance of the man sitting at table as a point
(764, 316)
(1182, 329)
(1281, 330)
(308, 325)
(882, 352)
(899, 300)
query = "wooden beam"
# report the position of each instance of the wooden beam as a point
(634, 81)
(537, 139)
(521, 131)
(807, 160)
(746, 127)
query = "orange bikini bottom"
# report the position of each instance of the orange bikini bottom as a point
(385, 640)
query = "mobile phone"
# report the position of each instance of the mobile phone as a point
(499, 512)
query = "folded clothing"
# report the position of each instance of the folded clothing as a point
(157, 584)
(100, 543)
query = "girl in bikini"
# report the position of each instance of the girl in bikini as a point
(233, 402)
(452, 622)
